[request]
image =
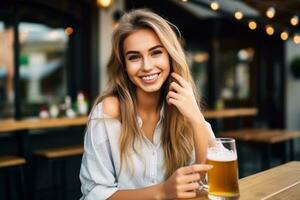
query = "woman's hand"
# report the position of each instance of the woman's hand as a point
(183, 183)
(181, 95)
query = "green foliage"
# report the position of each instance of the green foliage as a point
(295, 67)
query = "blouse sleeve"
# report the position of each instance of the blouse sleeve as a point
(97, 174)
(211, 132)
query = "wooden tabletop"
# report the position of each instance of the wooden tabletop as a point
(282, 182)
(278, 183)
(13, 125)
(269, 136)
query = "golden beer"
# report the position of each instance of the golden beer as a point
(223, 177)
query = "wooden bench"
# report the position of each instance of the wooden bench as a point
(265, 139)
(60, 152)
(57, 154)
(9, 163)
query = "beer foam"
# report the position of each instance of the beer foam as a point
(221, 154)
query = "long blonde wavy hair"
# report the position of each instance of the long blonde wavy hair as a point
(177, 137)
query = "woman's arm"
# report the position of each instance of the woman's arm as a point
(201, 138)
(181, 95)
(152, 192)
(181, 184)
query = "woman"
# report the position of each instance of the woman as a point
(146, 131)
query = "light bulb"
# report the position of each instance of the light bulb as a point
(104, 3)
(269, 30)
(69, 30)
(271, 12)
(294, 20)
(296, 38)
(214, 5)
(252, 25)
(238, 15)
(284, 35)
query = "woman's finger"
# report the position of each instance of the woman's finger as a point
(189, 187)
(194, 168)
(173, 95)
(173, 102)
(176, 87)
(181, 80)
(190, 178)
(190, 194)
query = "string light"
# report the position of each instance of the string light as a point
(269, 30)
(296, 38)
(69, 30)
(294, 20)
(104, 3)
(214, 5)
(284, 35)
(271, 12)
(238, 15)
(252, 25)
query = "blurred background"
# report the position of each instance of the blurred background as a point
(244, 56)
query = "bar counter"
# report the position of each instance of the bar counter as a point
(30, 124)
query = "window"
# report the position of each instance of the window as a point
(198, 63)
(235, 81)
(7, 70)
(42, 66)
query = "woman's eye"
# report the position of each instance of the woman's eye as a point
(133, 57)
(157, 52)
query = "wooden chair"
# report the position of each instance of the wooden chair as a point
(55, 155)
(8, 164)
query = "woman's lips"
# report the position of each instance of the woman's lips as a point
(150, 78)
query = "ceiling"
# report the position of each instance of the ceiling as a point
(252, 9)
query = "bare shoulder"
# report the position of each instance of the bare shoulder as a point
(111, 106)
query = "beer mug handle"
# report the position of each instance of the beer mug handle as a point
(203, 183)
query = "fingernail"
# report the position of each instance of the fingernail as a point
(210, 166)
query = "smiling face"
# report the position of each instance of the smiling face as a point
(147, 61)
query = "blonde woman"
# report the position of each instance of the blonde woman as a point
(146, 136)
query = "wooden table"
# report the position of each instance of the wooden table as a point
(230, 112)
(282, 182)
(278, 183)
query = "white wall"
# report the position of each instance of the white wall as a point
(105, 31)
(292, 89)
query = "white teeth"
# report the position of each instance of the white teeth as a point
(151, 77)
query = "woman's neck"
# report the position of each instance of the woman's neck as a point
(147, 102)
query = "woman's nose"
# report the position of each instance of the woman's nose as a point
(147, 64)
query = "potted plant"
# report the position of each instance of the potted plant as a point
(295, 67)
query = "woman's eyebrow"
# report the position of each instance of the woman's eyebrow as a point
(151, 49)
(155, 47)
(131, 52)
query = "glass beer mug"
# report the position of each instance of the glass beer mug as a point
(223, 177)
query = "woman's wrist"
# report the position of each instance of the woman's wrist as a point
(198, 118)
(160, 191)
